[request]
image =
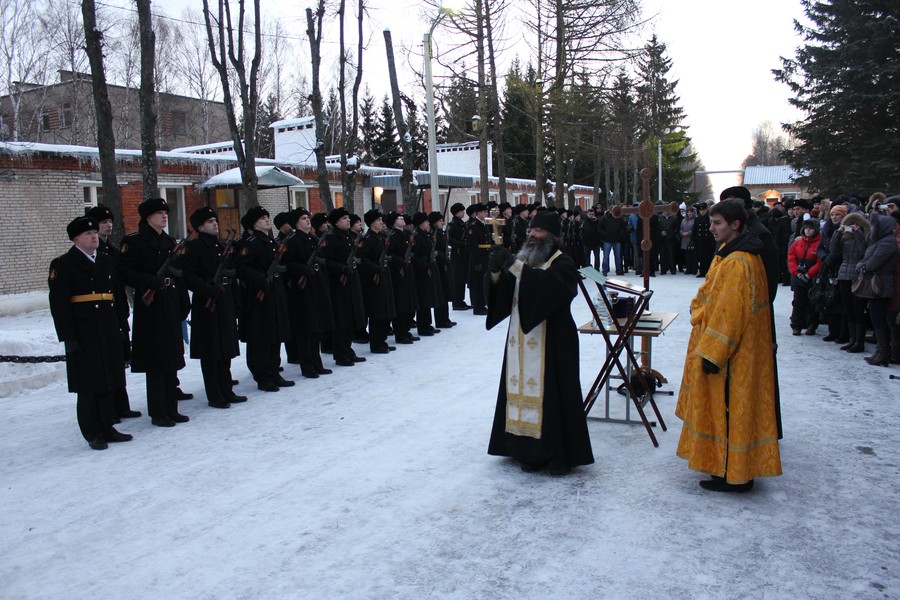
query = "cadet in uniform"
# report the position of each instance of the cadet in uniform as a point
(443, 276)
(402, 277)
(338, 250)
(214, 337)
(264, 315)
(375, 278)
(160, 305)
(459, 260)
(478, 245)
(82, 286)
(309, 297)
(425, 268)
(104, 219)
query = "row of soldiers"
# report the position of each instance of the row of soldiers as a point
(306, 289)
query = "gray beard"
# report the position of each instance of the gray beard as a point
(536, 252)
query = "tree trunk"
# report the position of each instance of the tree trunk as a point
(314, 32)
(106, 141)
(407, 193)
(148, 100)
(495, 100)
(482, 104)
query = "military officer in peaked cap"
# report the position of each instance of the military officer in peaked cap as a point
(82, 286)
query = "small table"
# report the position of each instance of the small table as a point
(619, 340)
(666, 319)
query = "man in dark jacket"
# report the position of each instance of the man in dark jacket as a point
(161, 304)
(611, 233)
(214, 338)
(590, 236)
(82, 286)
(402, 277)
(264, 324)
(425, 267)
(443, 276)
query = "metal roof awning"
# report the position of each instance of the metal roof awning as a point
(424, 180)
(269, 177)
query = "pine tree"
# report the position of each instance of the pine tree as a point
(368, 127)
(518, 125)
(385, 146)
(460, 104)
(268, 114)
(846, 79)
(418, 132)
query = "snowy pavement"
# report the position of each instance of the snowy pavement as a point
(374, 482)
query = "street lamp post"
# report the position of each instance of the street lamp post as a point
(659, 162)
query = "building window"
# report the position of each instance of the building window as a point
(65, 115)
(45, 119)
(93, 195)
(179, 122)
(338, 199)
(300, 198)
(174, 196)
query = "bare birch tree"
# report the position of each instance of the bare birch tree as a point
(314, 33)
(24, 55)
(228, 51)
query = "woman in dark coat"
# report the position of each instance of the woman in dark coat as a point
(880, 257)
(850, 244)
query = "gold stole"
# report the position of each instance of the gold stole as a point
(525, 368)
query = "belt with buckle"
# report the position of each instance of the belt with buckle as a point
(91, 298)
(484, 246)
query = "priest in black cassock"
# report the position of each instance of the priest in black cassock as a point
(540, 419)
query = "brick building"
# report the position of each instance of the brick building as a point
(63, 113)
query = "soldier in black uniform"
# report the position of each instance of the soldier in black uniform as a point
(104, 219)
(425, 268)
(264, 315)
(402, 277)
(478, 245)
(82, 286)
(209, 275)
(338, 250)
(309, 297)
(506, 230)
(375, 278)
(160, 305)
(459, 260)
(704, 243)
(443, 276)
(519, 227)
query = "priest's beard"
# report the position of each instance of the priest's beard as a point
(536, 251)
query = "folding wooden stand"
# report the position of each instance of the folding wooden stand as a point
(618, 342)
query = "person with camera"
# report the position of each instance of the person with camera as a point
(804, 265)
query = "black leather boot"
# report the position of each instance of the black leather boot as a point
(860, 343)
(882, 356)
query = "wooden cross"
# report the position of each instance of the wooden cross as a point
(496, 223)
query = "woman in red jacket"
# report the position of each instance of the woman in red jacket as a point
(804, 265)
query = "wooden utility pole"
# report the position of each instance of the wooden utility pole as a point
(407, 194)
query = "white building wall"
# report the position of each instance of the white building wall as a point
(463, 159)
(295, 140)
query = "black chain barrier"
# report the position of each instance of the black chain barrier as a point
(32, 359)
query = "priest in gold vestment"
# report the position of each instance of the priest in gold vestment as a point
(727, 399)
(539, 419)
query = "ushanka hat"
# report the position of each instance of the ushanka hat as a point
(296, 214)
(518, 209)
(470, 210)
(736, 191)
(79, 225)
(548, 220)
(253, 215)
(318, 220)
(337, 214)
(456, 208)
(371, 216)
(280, 219)
(100, 213)
(419, 218)
(434, 217)
(201, 216)
(391, 218)
(153, 205)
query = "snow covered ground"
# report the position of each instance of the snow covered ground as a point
(374, 482)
